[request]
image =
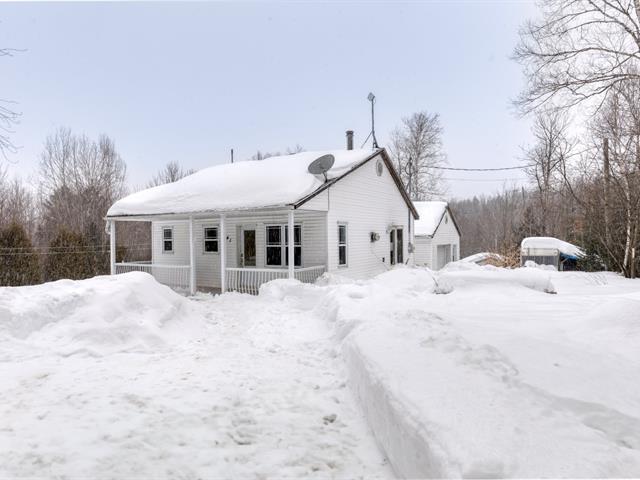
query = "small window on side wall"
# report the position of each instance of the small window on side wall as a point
(167, 240)
(210, 240)
(342, 245)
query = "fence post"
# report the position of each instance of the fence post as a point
(112, 246)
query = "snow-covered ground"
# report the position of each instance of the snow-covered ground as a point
(504, 373)
(118, 377)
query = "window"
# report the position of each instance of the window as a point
(274, 245)
(297, 245)
(396, 246)
(342, 245)
(167, 240)
(210, 239)
(277, 249)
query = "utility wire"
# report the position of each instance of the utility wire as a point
(484, 179)
(483, 169)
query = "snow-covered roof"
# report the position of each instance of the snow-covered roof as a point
(552, 243)
(273, 182)
(431, 214)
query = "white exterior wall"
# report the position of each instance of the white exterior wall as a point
(314, 251)
(423, 251)
(427, 247)
(366, 203)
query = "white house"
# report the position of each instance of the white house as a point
(238, 225)
(437, 236)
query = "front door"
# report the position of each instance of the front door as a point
(248, 255)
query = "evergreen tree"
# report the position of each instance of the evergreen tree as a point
(20, 264)
(69, 256)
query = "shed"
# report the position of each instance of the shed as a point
(437, 236)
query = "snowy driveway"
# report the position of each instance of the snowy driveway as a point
(252, 388)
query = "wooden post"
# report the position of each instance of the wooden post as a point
(223, 254)
(291, 245)
(192, 259)
(112, 245)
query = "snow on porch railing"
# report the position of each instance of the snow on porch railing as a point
(174, 276)
(248, 280)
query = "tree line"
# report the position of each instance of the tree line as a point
(56, 229)
(581, 60)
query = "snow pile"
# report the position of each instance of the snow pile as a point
(474, 276)
(551, 243)
(118, 377)
(496, 379)
(100, 316)
(431, 214)
(275, 181)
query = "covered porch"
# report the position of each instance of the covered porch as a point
(231, 250)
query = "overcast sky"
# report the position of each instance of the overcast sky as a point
(190, 81)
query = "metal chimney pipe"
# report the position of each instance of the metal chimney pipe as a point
(349, 139)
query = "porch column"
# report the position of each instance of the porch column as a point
(192, 259)
(290, 244)
(223, 254)
(112, 246)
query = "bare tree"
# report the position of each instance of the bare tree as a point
(619, 197)
(8, 116)
(578, 50)
(79, 180)
(416, 147)
(544, 161)
(172, 172)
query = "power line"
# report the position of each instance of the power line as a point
(484, 179)
(483, 169)
(63, 249)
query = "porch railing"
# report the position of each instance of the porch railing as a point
(248, 280)
(174, 276)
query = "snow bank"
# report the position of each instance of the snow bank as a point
(472, 275)
(98, 316)
(495, 379)
(553, 244)
(260, 393)
(430, 215)
(275, 181)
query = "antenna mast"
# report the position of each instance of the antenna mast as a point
(372, 98)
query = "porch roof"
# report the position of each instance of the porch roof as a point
(276, 182)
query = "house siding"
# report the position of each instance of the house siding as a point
(423, 251)
(314, 246)
(367, 203)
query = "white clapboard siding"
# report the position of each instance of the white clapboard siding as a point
(367, 203)
(314, 249)
(423, 251)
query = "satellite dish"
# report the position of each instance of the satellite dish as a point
(321, 165)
